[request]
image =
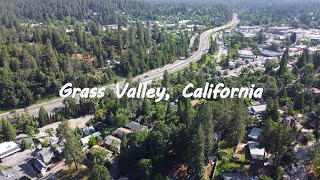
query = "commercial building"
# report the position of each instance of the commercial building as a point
(8, 148)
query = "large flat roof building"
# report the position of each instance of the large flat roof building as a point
(8, 148)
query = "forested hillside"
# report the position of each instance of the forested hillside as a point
(45, 44)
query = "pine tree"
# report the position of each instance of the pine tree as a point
(293, 37)
(205, 118)
(316, 60)
(197, 153)
(9, 133)
(146, 107)
(85, 41)
(43, 117)
(302, 60)
(71, 146)
(283, 63)
(166, 79)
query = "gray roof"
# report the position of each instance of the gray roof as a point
(39, 164)
(259, 108)
(109, 139)
(254, 133)
(136, 126)
(88, 130)
(46, 154)
(9, 174)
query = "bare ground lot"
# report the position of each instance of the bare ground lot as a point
(78, 122)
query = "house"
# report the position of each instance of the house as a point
(256, 103)
(269, 53)
(88, 130)
(246, 54)
(84, 141)
(53, 140)
(122, 131)
(258, 109)
(108, 156)
(113, 143)
(45, 155)
(9, 174)
(256, 152)
(8, 148)
(254, 133)
(134, 126)
(40, 166)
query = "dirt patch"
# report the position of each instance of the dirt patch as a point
(180, 171)
(208, 170)
(73, 123)
(88, 58)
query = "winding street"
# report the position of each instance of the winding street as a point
(146, 77)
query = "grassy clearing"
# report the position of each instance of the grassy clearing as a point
(227, 164)
(68, 173)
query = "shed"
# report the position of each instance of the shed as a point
(256, 152)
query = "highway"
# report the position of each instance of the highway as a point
(146, 77)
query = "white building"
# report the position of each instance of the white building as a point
(8, 148)
(258, 109)
(84, 141)
(256, 152)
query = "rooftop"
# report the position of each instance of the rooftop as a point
(254, 148)
(8, 148)
(259, 108)
(109, 139)
(254, 133)
(136, 126)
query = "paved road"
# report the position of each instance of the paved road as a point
(146, 77)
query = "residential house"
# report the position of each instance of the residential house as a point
(254, 133)
(120, 132)
(8, 148)
(88, 130)
(40, 166)
(45, 155)
(258, 109)
(53, 140)
(246, 54)
(256, 152)
(113, 143)
(84, 141)
(134, 126)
